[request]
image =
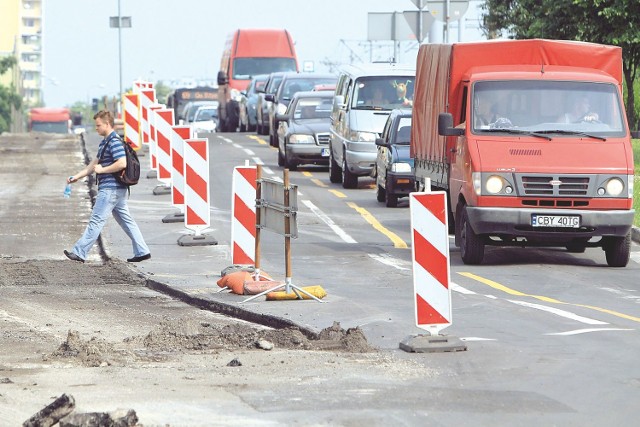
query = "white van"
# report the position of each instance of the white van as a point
(365, 95)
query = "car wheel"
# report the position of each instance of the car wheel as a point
(349, 180)
(289, 164)
(335, 174)
(251, 128)
(280, 158)
(391, 200)
(617, 250)
(381, 195)
(471, 245)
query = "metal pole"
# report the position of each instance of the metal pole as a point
(258, 207)
(120, 47)
(287, 232)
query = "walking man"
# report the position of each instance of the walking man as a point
(112, 196)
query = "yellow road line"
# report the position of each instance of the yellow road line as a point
(307, 174)
(338, 194)
(510, 291)
(319, 183)
(397, 241)
(258, 139)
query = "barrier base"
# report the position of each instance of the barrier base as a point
(161, 190)
(179, 217)
(237, 267)
(432, 344)
(201, 240)
(152, 174)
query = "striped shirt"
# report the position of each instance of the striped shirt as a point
(113, 150)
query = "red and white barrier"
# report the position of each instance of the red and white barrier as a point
(131, 108)
(139, 85)
(430, 251)
(196, 195)
(147, 99)
(243, 221)
(179, 135)
(153, 141)
(163, 125)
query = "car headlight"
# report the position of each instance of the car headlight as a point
(363, 136)
(614, 186)
(281, 109)
(401, 167)
(301, 139)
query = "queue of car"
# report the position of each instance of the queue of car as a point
(358, 122)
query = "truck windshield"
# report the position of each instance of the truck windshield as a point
(383, 92)
(51, 127)
(555, 108)
(244, 68)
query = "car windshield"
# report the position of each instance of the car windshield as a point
(383, 92)
(312, 108)
(293, 86)
(204, 115)
(244, 68)
(549, 108)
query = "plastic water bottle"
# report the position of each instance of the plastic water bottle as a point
(67, 191)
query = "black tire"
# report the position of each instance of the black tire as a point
(251, 128)
(243, 127)
(335, 174)
(391, 200)
(280, 158)
(349, 180)
(381, 195)
(471, 246)
(617, 250)
(289, 164)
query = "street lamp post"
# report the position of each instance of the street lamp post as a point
(120, 22)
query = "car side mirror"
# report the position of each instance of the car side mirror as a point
(269, 97)
(222, 78)
(282, 118)
(445, 126)
(381, 142)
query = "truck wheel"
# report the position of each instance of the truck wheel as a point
(471, 246)
(335, 174)
(391, 200)
(349, 180)
(617, 250)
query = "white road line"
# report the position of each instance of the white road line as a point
(457, 288)
(585, 331)
(635, 257)
(249, 152)
(561, 313)
(477, 339)
(390, 261)
(336, 229)
(257, 161)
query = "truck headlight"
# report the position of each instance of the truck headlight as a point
(301, 139)
(614, 186)
(401, 167)
(494, 184)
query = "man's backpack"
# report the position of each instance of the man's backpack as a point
(130, 175)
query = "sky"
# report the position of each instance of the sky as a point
(173, 40)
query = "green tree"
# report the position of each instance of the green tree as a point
(8, 95)
(162, 91)
(612, 22)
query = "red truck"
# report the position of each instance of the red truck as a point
(249, 52)
(52, 120)
(530, 141)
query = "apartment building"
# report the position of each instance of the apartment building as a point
(21, 36)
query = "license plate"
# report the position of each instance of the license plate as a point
(324, 152)
(563, 221)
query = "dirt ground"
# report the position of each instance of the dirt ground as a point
(95, 332)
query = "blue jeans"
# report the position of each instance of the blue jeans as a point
(110, 201)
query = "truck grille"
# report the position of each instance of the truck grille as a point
(323, 138)
(555, 186)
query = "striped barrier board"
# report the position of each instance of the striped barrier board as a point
(153, 141)
(196, 195)
(147, 99)
(179, 135)
(430, 251)
(131, 108)
(243, 221)
(163, 126)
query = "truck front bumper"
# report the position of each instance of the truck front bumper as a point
(517, 223)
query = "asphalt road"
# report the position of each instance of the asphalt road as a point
(552, 337)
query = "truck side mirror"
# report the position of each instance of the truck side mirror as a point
(339, 101)
(445, 126)
(222, 78)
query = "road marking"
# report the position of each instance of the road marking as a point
(225, 139)
(510, 291)
(307, 174)
(477, 339)
(249, 152)
(319, 183)
(325, 218)
(397, 241)
(258, 139)
(339, 194)
(585, 331)
(257, 161)
(558, 312)
(390, 261)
